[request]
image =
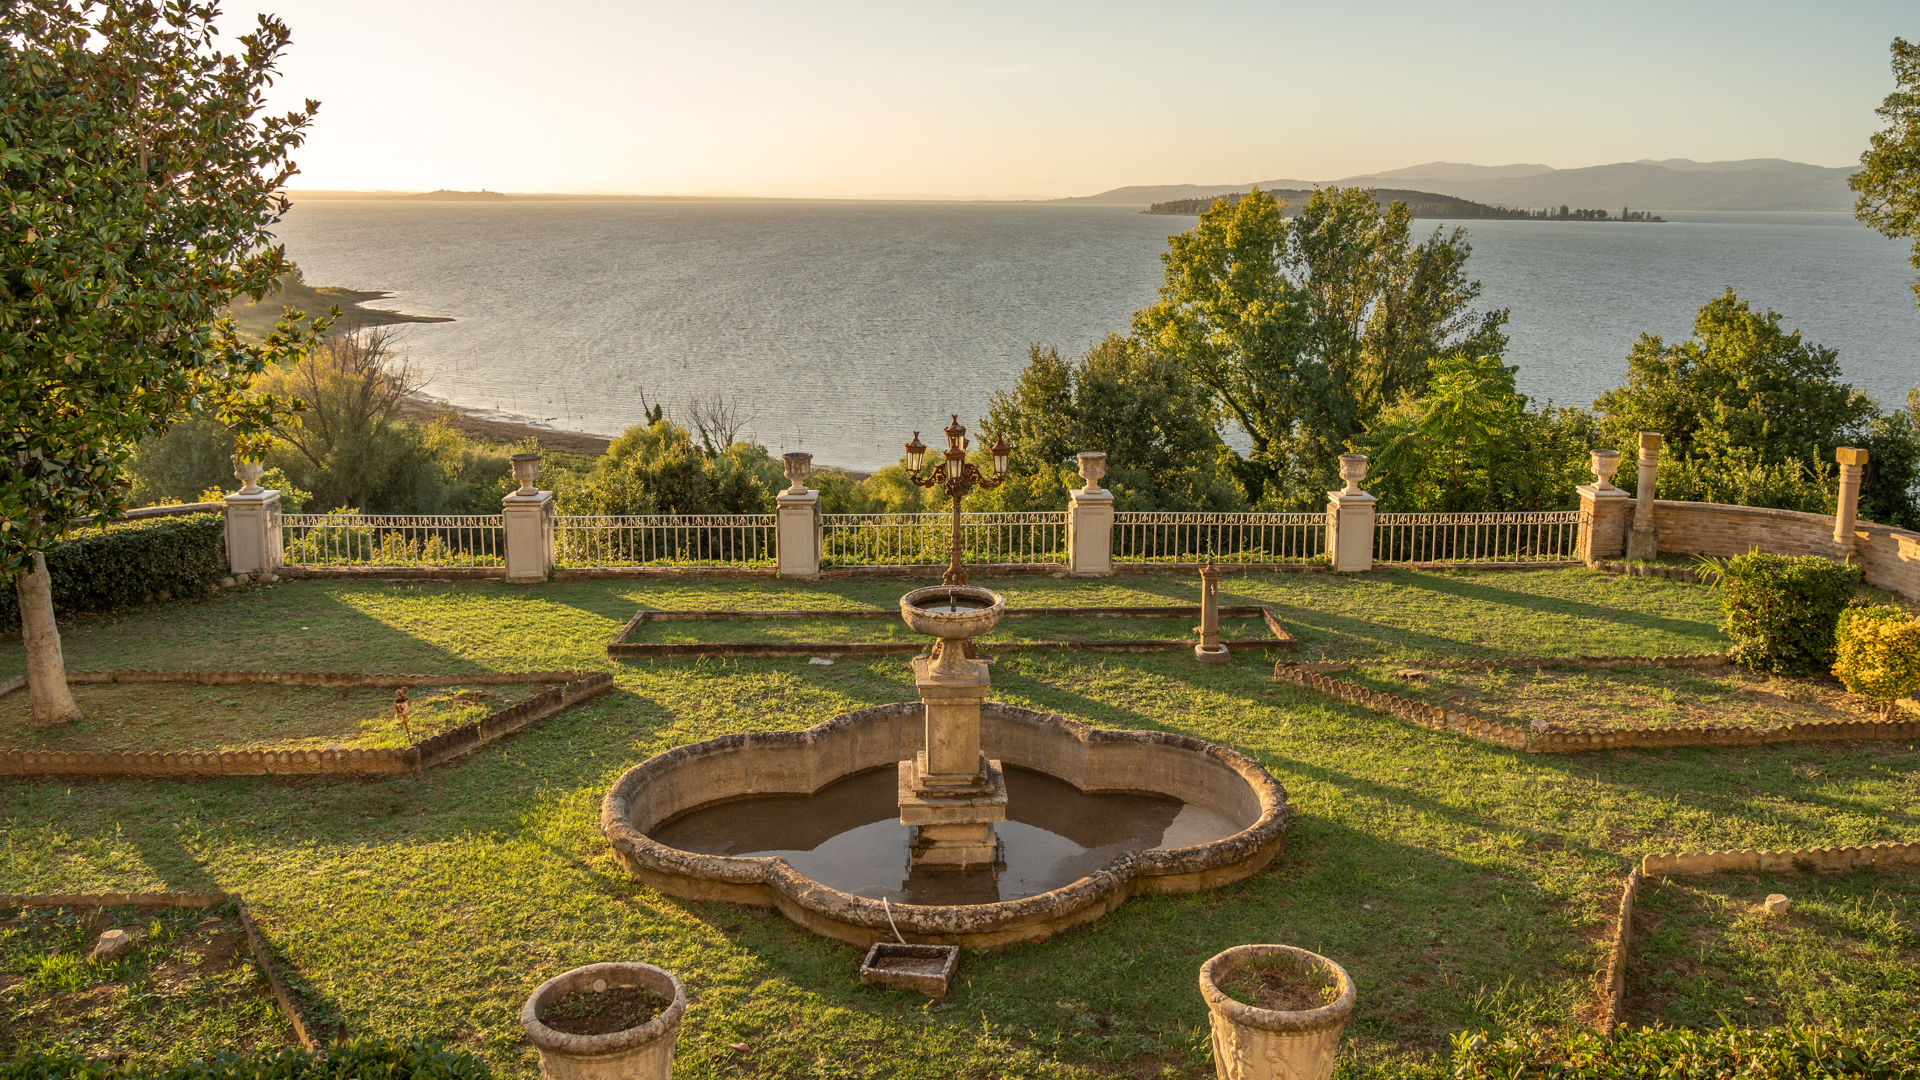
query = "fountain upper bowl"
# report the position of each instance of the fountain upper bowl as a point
(930, 611)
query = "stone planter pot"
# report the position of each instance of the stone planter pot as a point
(638, 1053)
(1251, 1043)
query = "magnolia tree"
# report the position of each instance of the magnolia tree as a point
(138, 180)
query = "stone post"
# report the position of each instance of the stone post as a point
(1090, 521)
(1852, 463)
(796, 521)
(1643, 542)
(1209, 650)
(1603, 526)
(253, 523)
(527, 519)
(1350, 518)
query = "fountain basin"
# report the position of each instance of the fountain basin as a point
(691, 778)
(952, 611)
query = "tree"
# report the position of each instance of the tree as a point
(349, 446)
(1740, 381)
(1304, 330)
(1889, 185)
(137, 185)
(1157, 427)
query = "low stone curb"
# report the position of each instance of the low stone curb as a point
(1674, 660)
(1748, 859)
(1613, 996)
(1574, 742)
(389, 761)
(395, 573)
(318, 678)
(1413, 712)
(620, 647)
(282, 994)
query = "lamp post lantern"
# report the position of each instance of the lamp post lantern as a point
(958, 476)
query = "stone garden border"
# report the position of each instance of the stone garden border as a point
(621, 648)
(1670, 864)
(575, 687)
(1516, 737)
(289, 1005)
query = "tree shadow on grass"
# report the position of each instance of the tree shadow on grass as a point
(1479, 591)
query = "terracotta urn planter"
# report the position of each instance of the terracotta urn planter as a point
(1252, 1043)
(644, 1052)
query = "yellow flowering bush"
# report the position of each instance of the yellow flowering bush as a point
(1878, 653)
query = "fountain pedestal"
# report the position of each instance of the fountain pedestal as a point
(951, 793)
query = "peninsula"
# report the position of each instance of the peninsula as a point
(1424, 204)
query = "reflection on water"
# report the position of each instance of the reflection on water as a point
(849, 836)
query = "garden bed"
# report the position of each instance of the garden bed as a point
(150, 717)
(1704, 950)
(1624, 697)
(188, 985)
(880, 631)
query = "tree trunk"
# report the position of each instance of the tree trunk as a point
(46, 667)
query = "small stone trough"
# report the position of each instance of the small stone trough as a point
(926, 968)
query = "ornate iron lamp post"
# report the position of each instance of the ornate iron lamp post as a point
(958, 476)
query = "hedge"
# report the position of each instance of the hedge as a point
(1782, 610)
(1780, 1053)
(358, 1059)
(125, 563)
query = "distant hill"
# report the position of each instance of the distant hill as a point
(1673, 184)
(1424, 204)
(443, 195)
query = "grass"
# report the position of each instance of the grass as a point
(1462, 885)
(180, 716)
(188, 986)
(1023, 629)
(1849, 949)
(1605, 699)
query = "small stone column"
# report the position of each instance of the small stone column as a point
(796, 521)
(253, 523)
(1603, 530)
(1090, 521)
(1643, 542)
(1210, 651)
(527, 519)
(950, 793)
(1853, 462)
(1350, 518)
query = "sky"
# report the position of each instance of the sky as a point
(1046, 99)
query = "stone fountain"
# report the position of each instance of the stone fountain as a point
(950, 793)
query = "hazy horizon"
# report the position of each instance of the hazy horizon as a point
(1001, 100)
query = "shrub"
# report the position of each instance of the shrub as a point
(125, 563)
(1782, 610)
(353, 1060)
(1781, 1053)
(1877, 653)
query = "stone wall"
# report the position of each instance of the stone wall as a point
(1890, 557)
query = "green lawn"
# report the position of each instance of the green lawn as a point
(1018, 629)
(1462, 885)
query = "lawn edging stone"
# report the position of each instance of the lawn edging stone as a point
(578, 686)
(256, 941)
(1614, 992)
(1828, 859)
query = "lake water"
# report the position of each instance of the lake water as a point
(844, 327)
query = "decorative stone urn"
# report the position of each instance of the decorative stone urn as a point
(248, 473)
(1093, 466)
(638, 1053)
(1605, 464)
(526, 467)
(799, 466)
(1353, 469)
(1251, 1043)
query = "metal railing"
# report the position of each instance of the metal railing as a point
(391, 540)
(925, 539)
(730, 540)
(1545, 537)
(1189, 538)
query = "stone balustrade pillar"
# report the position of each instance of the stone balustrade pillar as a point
(1643, 542)
(796, 521)
(1350, 518)
(1090, 521)
(526, 517)
(253, 523)
(1853, 462)
(1603, 524)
